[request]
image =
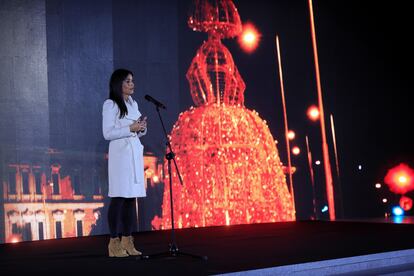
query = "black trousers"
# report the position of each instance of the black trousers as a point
(121, 207)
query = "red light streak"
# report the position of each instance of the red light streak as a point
(327, 166)
(285, 119)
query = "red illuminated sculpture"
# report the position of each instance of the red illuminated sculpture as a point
(227, 156)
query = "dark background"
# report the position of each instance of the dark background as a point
(57, 56)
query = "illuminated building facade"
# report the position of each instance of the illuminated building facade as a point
(51, 195)
(64, 198)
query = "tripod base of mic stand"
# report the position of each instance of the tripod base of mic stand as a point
(174, 252)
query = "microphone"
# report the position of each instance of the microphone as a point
(154, 101)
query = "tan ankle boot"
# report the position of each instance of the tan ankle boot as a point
(115, 249)
(127, 243)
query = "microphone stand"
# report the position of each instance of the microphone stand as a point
(173, 248)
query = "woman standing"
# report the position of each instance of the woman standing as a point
(122, 126)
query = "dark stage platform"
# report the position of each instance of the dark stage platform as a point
(229, 249)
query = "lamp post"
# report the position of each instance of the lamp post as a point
(282, 90)
(325, 150)
(309, 156)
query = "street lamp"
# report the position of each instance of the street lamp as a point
(326, 162)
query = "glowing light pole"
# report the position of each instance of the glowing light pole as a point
(326, 162)
(309, 155)
(334, 143)
(338, 179)
(282, 90)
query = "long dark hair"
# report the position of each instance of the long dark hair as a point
(115, 89)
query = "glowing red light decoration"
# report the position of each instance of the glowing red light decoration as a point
(226, 154)
(406, 203)
(249, 38)
(213, 76)
(313, 113)
(215, 17)
(14, 238)
(291, 135)
(400, 179)
(296, 150)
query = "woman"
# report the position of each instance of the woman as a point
(122, 126)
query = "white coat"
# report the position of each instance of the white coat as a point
(125, 156)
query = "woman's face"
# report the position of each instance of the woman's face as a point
(128, 86)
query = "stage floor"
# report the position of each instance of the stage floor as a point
(228, 248)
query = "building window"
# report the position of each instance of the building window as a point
(25, 183)
(12, 183)
(79, 228)
(41, 233)
(76, 185)
(55, 180)
(38, 182)
(27, 232)
(97, 186)
(15, 229)
(58, 226)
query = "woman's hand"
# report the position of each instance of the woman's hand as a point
(139, 125)
(143, 123)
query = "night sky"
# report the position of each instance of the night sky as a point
(363, 56)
